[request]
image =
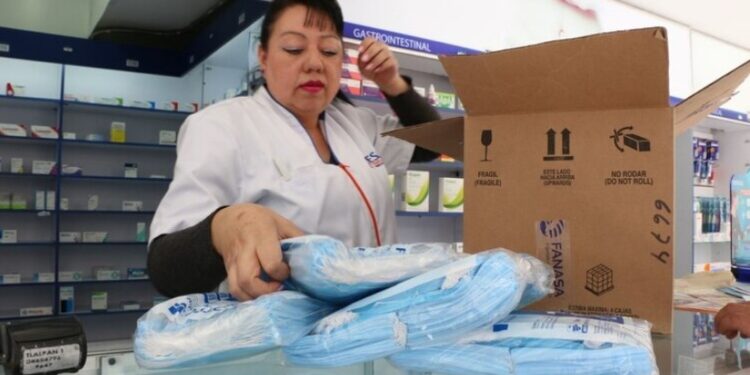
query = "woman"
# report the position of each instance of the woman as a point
(293, 158)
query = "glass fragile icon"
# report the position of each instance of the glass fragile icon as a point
(486, 141)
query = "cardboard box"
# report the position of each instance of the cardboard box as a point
(93, 202)
(12, 130)
(451, 193)
(350, 70)
(16, 165)
(68, 276)
(105, 274)
(141, 235)
(131, 170)
(43, 166)
(445, 100)
(132, 206)
(10, 278)
(117, 132)
(94, 237)
(415, 191)
(167, 137)
(545, 174)
(370, 88)
(40, 200)
(137, 273)
(36, 311)
(67, 299)
(351, 86)
(50, 203)
(98, 301)
(130, 306)
(42, 131)
(17, 202)
(64, 204)
(9, 236)
(44, 277)
(70, 237)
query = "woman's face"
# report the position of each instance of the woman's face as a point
(302, 62)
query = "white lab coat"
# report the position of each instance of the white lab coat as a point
(252, 150)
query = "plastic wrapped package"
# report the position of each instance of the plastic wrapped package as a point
(205, 328)
(542, 344)
(325, 268)
(439, 306)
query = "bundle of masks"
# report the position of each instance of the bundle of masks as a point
(542, 343)
(424, 306)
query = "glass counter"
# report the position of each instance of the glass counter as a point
(675, 354)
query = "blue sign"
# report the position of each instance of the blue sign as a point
(404, 41)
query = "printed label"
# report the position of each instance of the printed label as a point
(43, 360)
(586, 329)
(629, 177)
(489, 178)
(557, 177)
(553, 245)
(602, 310)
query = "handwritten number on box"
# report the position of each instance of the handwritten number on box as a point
(663, 225)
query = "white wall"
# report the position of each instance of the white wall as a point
(42, 80)
(615, 16)
(695, 60)
(94, 82)
(712, 59)
(477, 24)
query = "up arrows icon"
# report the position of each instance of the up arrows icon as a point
(552, 146)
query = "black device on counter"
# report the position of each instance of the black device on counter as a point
(43, 346)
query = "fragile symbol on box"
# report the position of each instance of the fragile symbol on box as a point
(486, 141)
(633, 141)
(599, 280)
(552, 149)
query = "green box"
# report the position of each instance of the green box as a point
(445, 100)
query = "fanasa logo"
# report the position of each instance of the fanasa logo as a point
(553, 232)
(374, 160)
(178, 308)
(552, 228)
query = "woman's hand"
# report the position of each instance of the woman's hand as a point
(732, 319)
(247, 238)
(378, 64)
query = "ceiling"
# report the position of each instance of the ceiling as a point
(161, 15)
(728, 20)
(152, 23)
(167, 23)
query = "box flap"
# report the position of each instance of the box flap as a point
(443, 136)
(618, 70)
(699, 105)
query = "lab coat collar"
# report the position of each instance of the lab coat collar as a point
(265, 95)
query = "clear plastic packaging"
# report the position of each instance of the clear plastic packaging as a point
(325, 268)
(206, 328)
(552, 343)
(437, 307)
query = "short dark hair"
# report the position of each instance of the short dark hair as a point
(328, 9)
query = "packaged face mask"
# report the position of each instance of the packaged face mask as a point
(528, 343)
(437, 307)
(326, 269)
(206, 328)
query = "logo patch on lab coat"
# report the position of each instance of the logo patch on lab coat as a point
(374, 160)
